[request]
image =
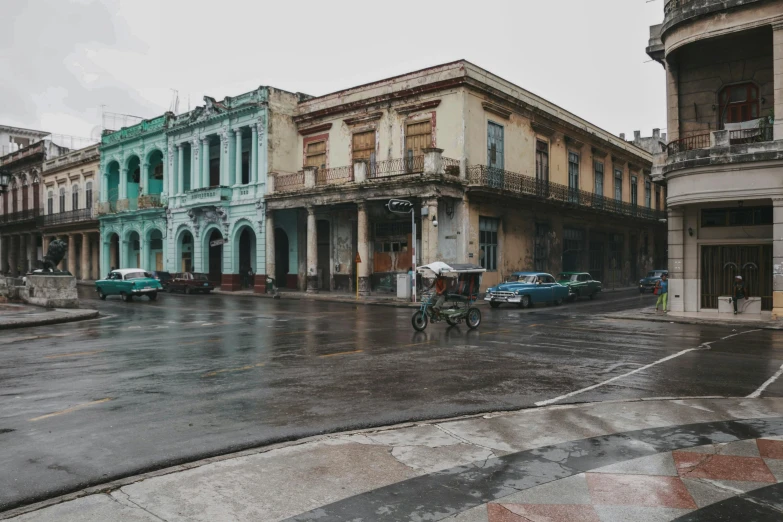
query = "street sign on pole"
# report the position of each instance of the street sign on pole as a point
(218, 242)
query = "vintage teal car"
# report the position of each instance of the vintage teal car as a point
(129, 283)
(527, 288)
(580, 284)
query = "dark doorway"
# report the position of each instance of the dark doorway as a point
(214, 172)
(573, 239)
(281, 258)
(215, 258)
(721, 263)
(324, 273)
(634, 249)
(597, 260)
(114, 251)
(247, 257)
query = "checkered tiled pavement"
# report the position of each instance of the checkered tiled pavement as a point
(661, 487)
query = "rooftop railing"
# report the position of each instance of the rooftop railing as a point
(528, 186)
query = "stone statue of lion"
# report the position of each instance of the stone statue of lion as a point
(54, 255)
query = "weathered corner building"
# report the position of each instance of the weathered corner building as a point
(724, 163)
(497, 175)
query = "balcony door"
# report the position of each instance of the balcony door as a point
(739, 103)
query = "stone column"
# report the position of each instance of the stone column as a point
(45, 244)
(107, 254)
(363, 248)
(360, 171)
(180, 169)
(3, 253)
(144, 261)
(310, 177)
(433, 161)
(676, 259)
(104, 188)
(32, 248)
(672, 103)
(72, 255)
(123, 185)
(205, 162)
(429, 233)
(122, 262)
(21, 261)
(144, 182)
(195, 164)
(312, 252)
(225, 165)
(96, 262)
(777, 257)
(271, 267)
(777, 61)
(236, 178)
(254, 153)
(13, 254)
(84, 267)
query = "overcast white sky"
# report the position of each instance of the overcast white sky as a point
(60, 60)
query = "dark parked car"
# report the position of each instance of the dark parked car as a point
(648, 283)
(190, 282)
(163, 277)
(580, 284)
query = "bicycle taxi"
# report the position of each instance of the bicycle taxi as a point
(455, 304)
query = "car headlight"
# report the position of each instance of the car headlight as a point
(516, 292)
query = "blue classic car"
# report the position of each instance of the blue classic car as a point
(527, 288)
(648, 283)
(129, 283)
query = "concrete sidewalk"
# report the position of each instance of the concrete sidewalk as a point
(764, 321)
(651, 460)
(21, 316)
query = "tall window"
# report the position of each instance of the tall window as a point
(315, 154)
(658, 205)
(75, 197)
(599, 179)
(62, 200)
(363, 147)
(618, 184)
(542, 161)
(418, 136)
(573, 177)
(634, 190)
(495, 145)
(739, 103)
(647, 193)
(50, 203)
(488, 242)
(88, 195)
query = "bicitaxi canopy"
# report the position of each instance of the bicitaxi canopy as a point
(439, 268)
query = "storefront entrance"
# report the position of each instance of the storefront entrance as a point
(721, 263)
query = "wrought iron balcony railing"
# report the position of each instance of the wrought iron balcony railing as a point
(757, 135)
(396, 167)
(23, 215)
(522, 185)
(698, 141)
(71, 216)
(334, 175)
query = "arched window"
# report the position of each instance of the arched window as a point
(88, 195)
(75, 197)
(62, 200)
(50, 203)
(739, 103)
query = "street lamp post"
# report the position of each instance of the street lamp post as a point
(401, 206)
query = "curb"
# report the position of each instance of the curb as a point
(692, 320)
(113, 485)
(70, 317)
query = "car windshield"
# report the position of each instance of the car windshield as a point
(569, 277)
(136, 275)
(163, 275)
(654, 274)
(200, 277)
(521, 279)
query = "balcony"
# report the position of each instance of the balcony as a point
(724, 138)
(207, 196)
(20, 217)
(64, 218)
(150, 201)
(513, 183)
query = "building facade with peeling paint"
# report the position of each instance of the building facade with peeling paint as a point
(498, 176)
(220, 155)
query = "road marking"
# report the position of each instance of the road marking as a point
(764, 386)
(418, 344)
(227, 370)
(493, 332)
(70, 410)
(75, 354)
(340, 353)
(703, 346)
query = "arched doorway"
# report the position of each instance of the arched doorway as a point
(133, 255)
(155, 242)
(247, 257)
(214, 257)
(185, 252)
(134, 175)
(154, 178)
(281, 258)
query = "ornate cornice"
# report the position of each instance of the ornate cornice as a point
(497, 110)
(316, 128)
(364, 118)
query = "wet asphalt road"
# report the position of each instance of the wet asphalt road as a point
(154, 384)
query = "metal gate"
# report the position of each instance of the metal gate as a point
(719, 265)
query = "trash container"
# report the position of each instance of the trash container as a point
(403, 286)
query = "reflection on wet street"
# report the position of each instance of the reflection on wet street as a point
(151, 384)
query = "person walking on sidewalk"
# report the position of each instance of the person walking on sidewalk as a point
(663, 293)
(739, 292)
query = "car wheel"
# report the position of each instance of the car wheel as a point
(574, 296)
(525, 301)
(558, 302)
(419, 321)
(153, 296)
(188, 290)
(125, 297)
(493, 304)
(101, 296)
(592, 296)
(474, 318)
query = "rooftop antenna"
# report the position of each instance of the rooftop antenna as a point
(174, 105)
